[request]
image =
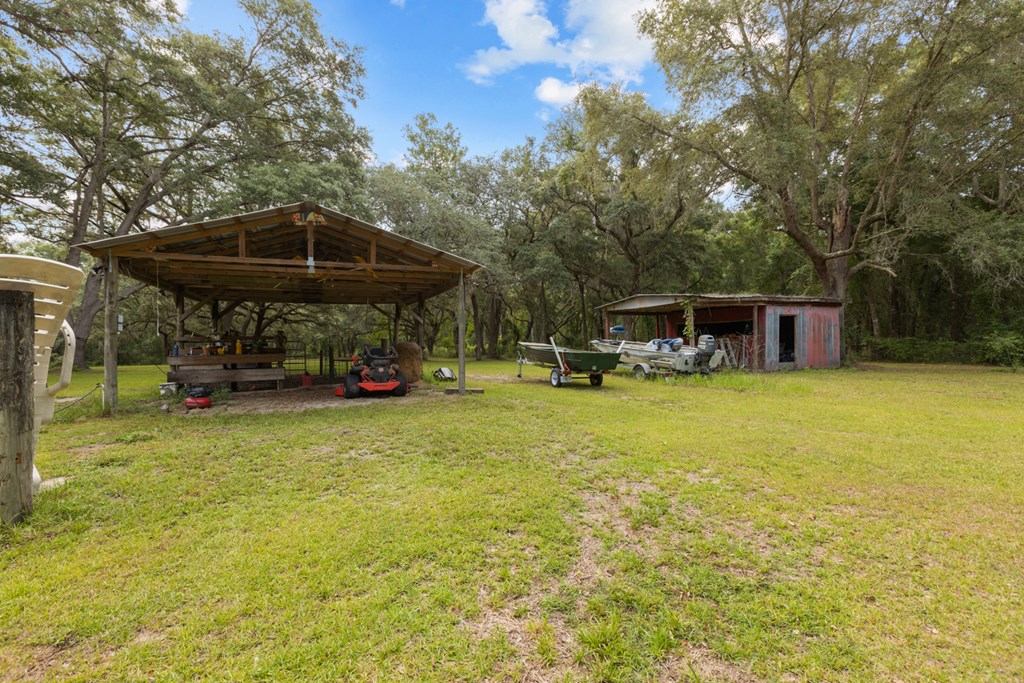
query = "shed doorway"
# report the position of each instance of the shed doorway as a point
(787, 341)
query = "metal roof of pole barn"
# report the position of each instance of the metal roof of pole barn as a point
(665, 303)
(298, 253)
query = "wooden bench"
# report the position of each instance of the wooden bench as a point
(240, 368)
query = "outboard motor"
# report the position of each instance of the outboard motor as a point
(705, 352)
(706, 345)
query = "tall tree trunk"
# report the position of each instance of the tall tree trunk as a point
(584, 318)
(92, 304)
(542, 316)
(494, 328)
(478, 328)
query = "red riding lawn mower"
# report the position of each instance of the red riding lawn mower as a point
(375, 374)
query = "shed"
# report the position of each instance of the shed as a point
(759, 331)
(296, 253)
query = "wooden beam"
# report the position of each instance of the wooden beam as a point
(179, 310)
(292, 263)
(397, 325)
(110, 334)
(17, 448)
(241, 244)
(373, 250)
(199, 304)
(196, 235)
(462, 334)
(204, 375)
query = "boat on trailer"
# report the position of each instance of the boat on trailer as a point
(664, 355)
(566, 363)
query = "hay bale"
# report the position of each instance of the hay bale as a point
(410, 360)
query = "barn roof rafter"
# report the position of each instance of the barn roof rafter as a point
(297, 253)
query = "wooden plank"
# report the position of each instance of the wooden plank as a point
(465, 390)
(181, 361)
(110, 278)
(196, 235)
(17, 447)
(287, 264)
(241, 244)
(211, 375)
(462, 334)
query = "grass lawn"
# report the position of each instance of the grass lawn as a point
(835, 525)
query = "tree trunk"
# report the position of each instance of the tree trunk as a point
(494, 328)
(92, 304)
(583, 311)
(478, 328)
(542, 317)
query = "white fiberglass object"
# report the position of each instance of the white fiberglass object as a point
(54, 286)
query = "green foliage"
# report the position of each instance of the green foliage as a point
(1003, 348)
(914, 350)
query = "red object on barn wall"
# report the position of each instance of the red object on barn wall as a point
(766, 332)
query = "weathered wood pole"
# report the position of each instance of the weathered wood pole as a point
(17, 354)
(462, 335)
(397, 325)
(421, 313)
(179, 313)
(110, 334)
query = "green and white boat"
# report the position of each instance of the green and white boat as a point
(565, 362)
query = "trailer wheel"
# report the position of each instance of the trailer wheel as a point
(640, 372)
(556, 378)
(596, 380)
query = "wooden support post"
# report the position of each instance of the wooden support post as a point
(397, 325)
(421, 312)
(756, 350)
(310, 234)
(242, 251)
(110, 334)
(373, 250)
(462, 334)
(179, 312)
(215, 317)
(17, 355)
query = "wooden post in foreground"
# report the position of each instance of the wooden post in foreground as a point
(17, 355)
(110, 334)
(462, 335)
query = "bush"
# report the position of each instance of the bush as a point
(998, 348)
(1004, 348)
(913, 350)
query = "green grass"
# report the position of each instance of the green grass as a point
(834, 525)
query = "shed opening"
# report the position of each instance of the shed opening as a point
(787, 339)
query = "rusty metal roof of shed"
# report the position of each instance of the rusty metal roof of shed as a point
(265, 256)
(665, 303)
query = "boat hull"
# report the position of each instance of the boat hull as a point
(686, 360)
(578, 360)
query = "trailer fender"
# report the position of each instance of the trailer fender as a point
(641, 370)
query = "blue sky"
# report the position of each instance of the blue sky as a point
(496, 69)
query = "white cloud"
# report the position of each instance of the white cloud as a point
(182, 6)
(600, 40)
(398, 3)
(555, 92)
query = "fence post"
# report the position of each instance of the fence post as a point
(17, 404)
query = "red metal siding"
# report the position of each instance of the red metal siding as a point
(817, 331)
(817, 336)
